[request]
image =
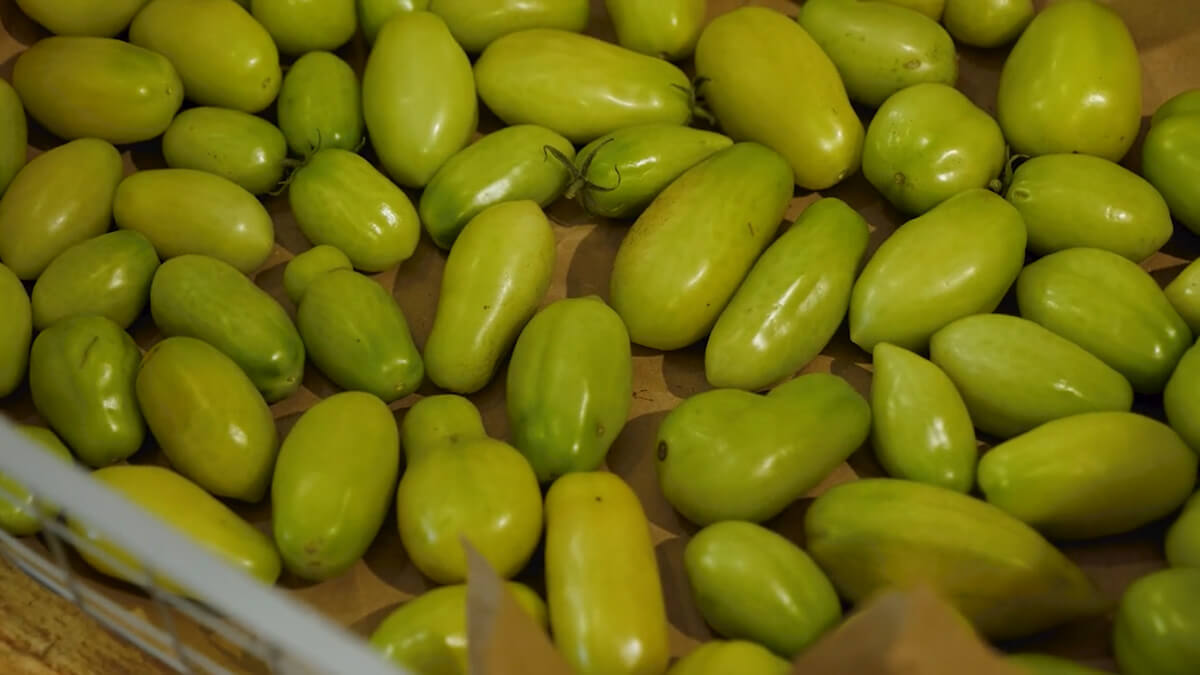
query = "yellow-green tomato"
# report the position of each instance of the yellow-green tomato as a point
(208, 418)
(299, 26)
(1181, 398)
(577, 85)
(242, 73)
(1183, 538)
(320, 105)
(187, 508)
(61, 198)
(188, 211)
(930, 8)
(1044, 664)
(13, 134)
(666, 29)
(987, 23)
(732, 455)
(478, 23)
(720, 657)
(921, 430)
(1157, 627)
(1171, 162)
(1015, 375)
(570, 386)
(508, 165)
(428, 634)
(767, 80)
(82, 17)
(372, 14)
(459, 484)
(1183, 103)
(16, 331)
(1072, 83)
(1076, 200)
(339, 199)
(302, 270)
(357, 335)
(927, 143)
(247, 150)
(1110, 307)
(936, 269)
(1184, 295)
(607, 612)
(81, 377)
(494, 280)
(333, 483)
(109, 275)
(792, 301)
(685, 256)
(417, 67)
(751, 583)
(19, 511)
(880, 48)
(1090, 475)
(87, 87)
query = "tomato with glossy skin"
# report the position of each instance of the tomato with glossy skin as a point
(1070, 201)
(320, 105)
(768, 81)
(1183, 103)
(1157, 626)
(372, 14)
(880, 48)
(1072, 83)
(934, 270)
(247, 150)
(108, 275)
(728, 454)
(15, 517)
(495, 277)
(299, 26)
(1184, 294)
(417, 67)
(1183, 538)
(477, 24)
(930, 8)
(685, 256)
(302, 270)
(1181, 398)
(82, 17)
(987, 23)
(15, 333)
(81, 378)
(791, 302)
(927, 143)
(85, 87)
(667, 29)
(511, 164)
(460, 484)
(1171, 162)
(13, 134)
(752, 583)
(720, 657)
(187, 211)
(577, 85)
(243, 74)
(570, 386)
(1045, 664)
(61, 198)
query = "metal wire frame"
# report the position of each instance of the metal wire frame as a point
(285, 635)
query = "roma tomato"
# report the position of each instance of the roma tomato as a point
(247, 150)
(108, 275)
(1181, 398)
(880, 48)
(1183, 539)
(477, 24)
(299, 26)
(768, 81)
(15, 517)
(929, 142)
(15, 333)
(302, 270)
(666, 29)
(719, 657)
(1184, 103)
(372, 14)
(1072, 83)
(417, 67)
(61, 198)
(1171, 162)
(930, 8)
(82, 17)
(13, 134)
(987, 23)
(320, 105)
(243, 74)
(1157, 627)
(80, 87)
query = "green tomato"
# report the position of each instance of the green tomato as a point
(108, 275)
(934, 270)
(1072, 83)
(13, 134)
(1157, 627)
(417, 67)
(19, 510)
(1184, 294)
(1015, 375)
(922, 430)
(61, 198)
(665, 29)
(243, 74)
(1181, 398)
(728, 454)
(768, 81)
(302, 270)
(792, 301)
(752, 583)
(930, 8)
(86, 87)
(1044, 664)
(987, 23)
(247, 150)
(1171, 162)
(719, 657)
(1070, 201)
(1183, 538)
(927, 143)
(187, 211)
(1110, 307)
(1183, 103)
(880, 48)
(479, 23)
(16, 331)
(82, 17)
(320, 105)
(372, 14)
(685, 256)
(299, 26)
